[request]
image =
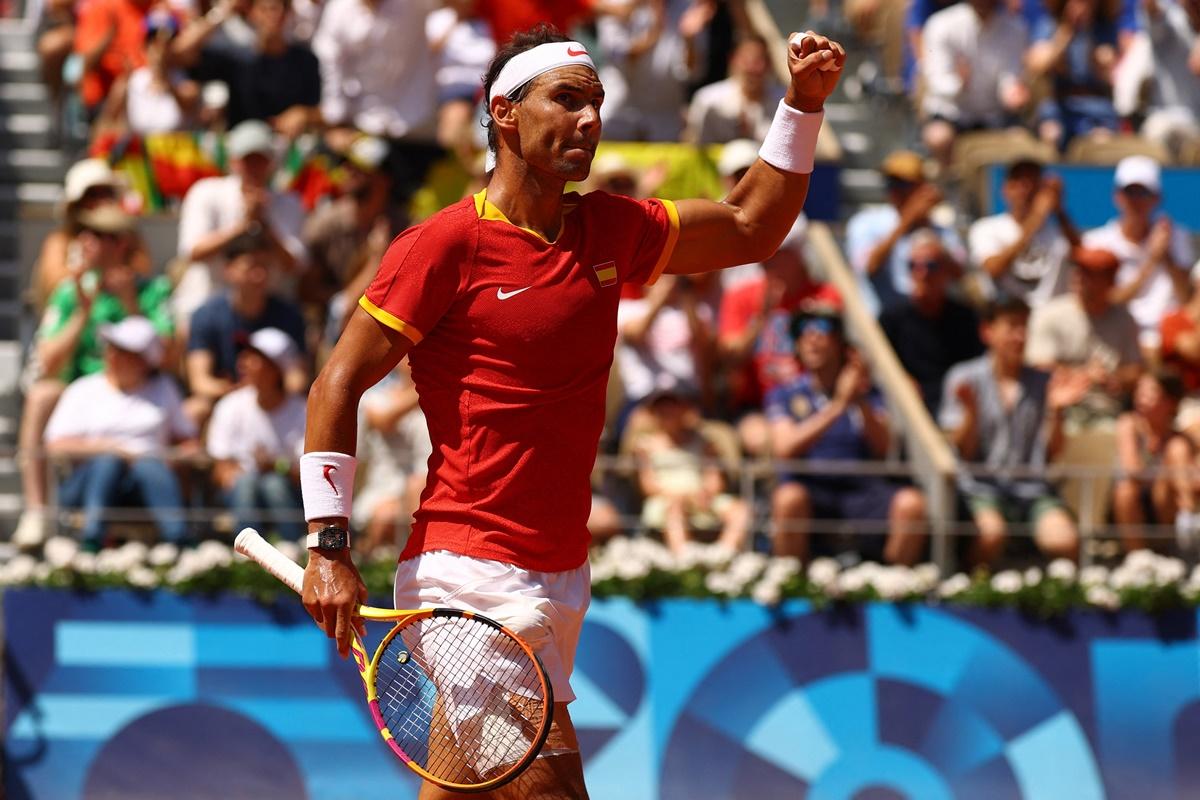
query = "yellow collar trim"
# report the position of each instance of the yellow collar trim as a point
(486, 210)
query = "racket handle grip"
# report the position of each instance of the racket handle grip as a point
(250, 544)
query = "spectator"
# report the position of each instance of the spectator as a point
(89, 184)
(218, 210)
(1075, 47)
(1154, 251)
(105, 289)
(155, 97)
(394, 449)
(462, 48)
(273, 80)
(245, 307)
(971, 67)
(1003, 415)
(506, 17)
(754, 338)
(831, 412)
(1181, 351)
(337, 234)
(1023, 250)
(1085, 332)
(55, 37)
(1174, 29)
(120, 422)
(1147, 440)
(684, 489)
(930, 331)
(647, 64)
(879, 238)
(742, 105)
(256, 436)
(110, 39)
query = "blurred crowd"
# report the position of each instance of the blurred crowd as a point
(181, 386)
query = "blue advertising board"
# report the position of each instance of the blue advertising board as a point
(132, 696)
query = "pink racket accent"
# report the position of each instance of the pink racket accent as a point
(377, 715)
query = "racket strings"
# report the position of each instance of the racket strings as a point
(461, 698)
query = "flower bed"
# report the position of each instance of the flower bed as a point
(644, 570)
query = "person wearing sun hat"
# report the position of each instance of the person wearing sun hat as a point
(1155, 251)
(256, 434)
(123, 421)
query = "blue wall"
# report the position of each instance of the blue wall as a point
(138, 696)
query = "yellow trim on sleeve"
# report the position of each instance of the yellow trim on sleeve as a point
(668, 248)
(391, 320)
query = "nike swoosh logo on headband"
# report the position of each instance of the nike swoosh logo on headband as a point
(571, 51)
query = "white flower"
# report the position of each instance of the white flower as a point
(954, 585)
(1141, 560)
(291, 550)
(84, 563)
(1062, 569)
(1094, 575)
(783, 568)
(143, 577)
(134, 552)
(1193, 582)
(823, 571)
(214, 554)
(41, 572)
(926, 577)
(1007, 582)
(747, 566)
(18, 571)
(602, 570)
(59, 551)
(1032, 576)
(767, 593)
(893, 583)
(1125, 577)
(720, 583)
(632, 569)
(1103, 597)
(1169, 570)
(851, 581)
(162, 554)
(109, 561)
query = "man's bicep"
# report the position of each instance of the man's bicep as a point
(368, 350)
(706, 229)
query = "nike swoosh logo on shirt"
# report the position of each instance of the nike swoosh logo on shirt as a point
(503, 295)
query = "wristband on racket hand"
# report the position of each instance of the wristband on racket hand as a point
(791, 141)
(327, 484)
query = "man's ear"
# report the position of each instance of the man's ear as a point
(504, 113)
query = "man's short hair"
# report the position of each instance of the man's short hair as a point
(517, 44)
(245, 244)
(1005, 304)
(1171, 382)
(1024, 167)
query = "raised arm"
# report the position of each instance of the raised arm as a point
(751, 222)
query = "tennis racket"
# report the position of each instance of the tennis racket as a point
(461, 699)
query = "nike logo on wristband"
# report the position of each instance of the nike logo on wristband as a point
(328, 469)
(571, 51)
(503, 295)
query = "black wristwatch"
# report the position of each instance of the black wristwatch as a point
(331, 537)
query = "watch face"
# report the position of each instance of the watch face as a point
(332, 539)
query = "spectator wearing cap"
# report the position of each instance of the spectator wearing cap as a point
(681, 481)
(1174, 107)
(110, 39)
(1075, 47)
(106, 289)
(119, 424)
(879, 238)
(754, 335)
(246, 305)
(1002, 415)
(647, 60)
(929, 330)
(971, 66)
(89, 184)
(1023, 250)
(742, 105)
(256, 436)
(274, 80)
(346, 238)
(155, 97)
(832, 413)
(218, 210)
(1154, 251)
(1084, 331)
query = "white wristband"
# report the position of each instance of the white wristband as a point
(327, 484)
(791, 143)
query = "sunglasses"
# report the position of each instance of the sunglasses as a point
(927, 264)
(1138, 192)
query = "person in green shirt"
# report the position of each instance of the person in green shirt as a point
(106, 289)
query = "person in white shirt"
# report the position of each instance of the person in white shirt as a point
(741, 106)
(1155, 252)
(1024, 249)
(462, 48)
(256, 436)
(1174, 33)
(971, 68)
(218, 210)
(120, 423)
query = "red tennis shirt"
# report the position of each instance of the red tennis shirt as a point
(513, 341)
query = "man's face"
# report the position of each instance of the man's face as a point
(819, 344)
(1019, 189)
(1095, 285)
(1006, 334)
(125, 367)
(558, 122)
(926, 264)
(268, 17)
(249, 271)
(1136, 201)
(750, 64)
(254, 168)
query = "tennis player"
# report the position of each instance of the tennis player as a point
(506, 304)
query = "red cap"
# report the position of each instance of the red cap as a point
(1094, 260)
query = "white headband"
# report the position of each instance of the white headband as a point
(524, 67)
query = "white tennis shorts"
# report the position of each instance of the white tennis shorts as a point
(544, 608)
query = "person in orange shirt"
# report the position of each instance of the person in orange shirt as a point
(110, 37)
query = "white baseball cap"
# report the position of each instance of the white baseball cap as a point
(251, 136)
(1139, 171)
(86, 174)
(367, 153)
(135, 335)
(737, 155)
(276, 346)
